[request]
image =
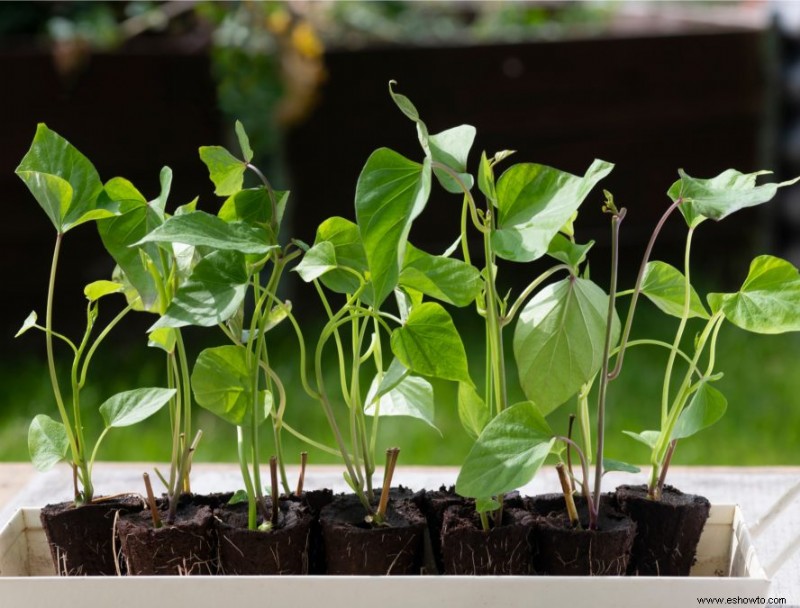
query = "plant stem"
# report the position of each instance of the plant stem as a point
(391, 462)
(273, 475)
(301, 478)
(679, 333)
(616, 220)
(492, 318)
(566, 488)
(77, 450)
(667, 459)
(638, 288)
(569, 452)
(587, 493)
(151, 501)
(252, 512)
(183, 361)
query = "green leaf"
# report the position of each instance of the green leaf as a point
(318, 260)
(429, 344)
(564, 250)
(121, 232)
(446, 279)
(664, 285)
(396, 373)
(486, 505)
(648, 438)
(486, 179)
(29, 322)
(390, 193)
(253, 206)
(244, 142)
(408, 108)
(222, 384)
(720, 196)
(558, 341)
(706, 407)
(534, 203)
(160, 203)
(472, 410)
(199, 228)
(768, 301)
(97, 289)
(164, 338)
(62, 180)
(610, 465)
(212, 293)
(129, 407)
(47, 442)
(239, 496)
(508, 454)
(349, 253)
(412, 397)
(225, 170)
(451, 148)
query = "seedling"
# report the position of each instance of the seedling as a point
(66, 185)
(768, 302)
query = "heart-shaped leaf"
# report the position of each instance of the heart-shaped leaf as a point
(222, 384)
(451, 148)
(648, 438)
(446, 279)
(507, 454)
(706, 407)
(349, 253)
(429, 344)
(212, 293)
(201, 229)
(225, 170)
(665, 286)
(472, 410)
(47, 442)
(559, 338)
(98, 289)
(768, 301)
(534, 202)
(318, 260)
(412, 397)
(390, 193)
(62, 180)
(129, 407)
(718, 197)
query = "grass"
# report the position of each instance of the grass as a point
(761, 427)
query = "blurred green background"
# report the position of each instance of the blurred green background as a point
(136, 85)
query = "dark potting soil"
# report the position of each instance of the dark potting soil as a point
(468, 549)
(313, 501)
(281, 550)
(353, 546)
(81, 538)
(562, 549)
(189, 546)
(668, 529)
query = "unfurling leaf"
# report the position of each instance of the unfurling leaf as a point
(30, 321)
(318, 260)
(472, 410)
(610, 465)
(244, 142)
(96, 290)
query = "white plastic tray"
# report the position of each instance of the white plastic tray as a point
(726, 567)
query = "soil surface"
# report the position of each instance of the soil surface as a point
(668, 529)
(187, 547)
(561, 549)
(468, 549)
(81, 538)
(353, 546)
